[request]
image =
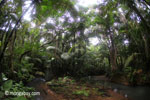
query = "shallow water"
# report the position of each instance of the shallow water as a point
(133, 93)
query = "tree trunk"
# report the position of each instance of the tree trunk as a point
(113, 55)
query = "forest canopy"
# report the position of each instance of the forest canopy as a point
(75, 38)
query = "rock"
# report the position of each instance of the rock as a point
(115, 90)
(126, 96)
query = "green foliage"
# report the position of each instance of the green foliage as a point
(82, 92)
(1, 94)
(62, 81)
(130, 58)
(19, 87)
(7, 85)
(24, 70)
(127, 69)
(130, 74)
(40, 73)
(12, 86)
(102, 93)
(0, 43)
(19, 98)
(4, 78)
(51, 8)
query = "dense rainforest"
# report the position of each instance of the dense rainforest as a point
(68, 43)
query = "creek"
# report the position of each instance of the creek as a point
(132, 92)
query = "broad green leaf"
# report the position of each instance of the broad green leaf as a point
(20, 98)
(1, 94)
(7, 85)
(4, 78)
(130, 58)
